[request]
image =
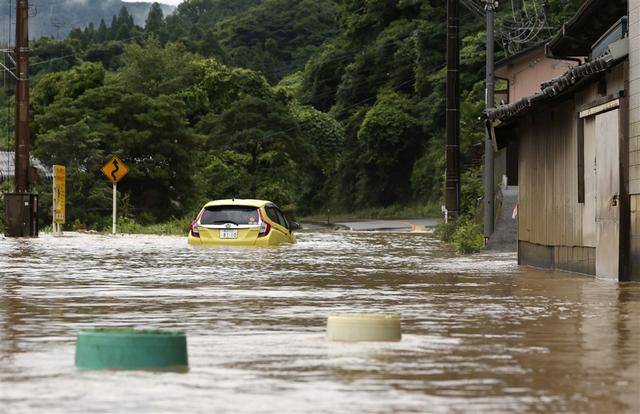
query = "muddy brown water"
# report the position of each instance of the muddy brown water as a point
(480, 333)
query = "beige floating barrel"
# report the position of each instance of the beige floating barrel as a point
(364, 327)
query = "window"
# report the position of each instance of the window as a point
(230, 214)
(272, 214)
(282, 218)
(276, 215)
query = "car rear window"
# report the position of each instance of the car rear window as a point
(230, 214)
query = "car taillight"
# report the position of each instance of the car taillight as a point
(194, 229)
(265, 227)
(194, 226)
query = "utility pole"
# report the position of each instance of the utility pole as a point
(452, 180)
(490, 7)
(22, 97)
(21, 206)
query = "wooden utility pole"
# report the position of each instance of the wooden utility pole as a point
(22, 97)
(21, 206)
(452, 185)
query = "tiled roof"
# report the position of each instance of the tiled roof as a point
(551, 89)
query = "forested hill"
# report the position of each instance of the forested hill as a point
(313, 104)
(56, 18)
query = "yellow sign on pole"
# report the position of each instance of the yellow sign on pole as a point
(59, 194)
(115, 170)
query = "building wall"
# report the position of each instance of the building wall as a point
(527, 73)
(634, 135)
(549, 213)
(554, 229)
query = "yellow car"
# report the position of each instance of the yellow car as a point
(241, 223)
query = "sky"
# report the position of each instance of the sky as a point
(174, 2)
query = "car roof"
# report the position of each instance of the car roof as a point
(238, 202)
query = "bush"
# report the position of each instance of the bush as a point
(4, 187)
(445, 231)
(173, 227)
(468, 237)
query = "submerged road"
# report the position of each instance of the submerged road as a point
(401, 225)
(480, 333)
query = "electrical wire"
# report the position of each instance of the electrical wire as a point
(526, 24)
(474, 8)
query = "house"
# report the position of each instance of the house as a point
(521, 74)
(577, 137)
(8, 167)
(526, 70)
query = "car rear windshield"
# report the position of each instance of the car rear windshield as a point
(230, 214)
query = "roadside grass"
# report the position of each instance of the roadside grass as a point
(465, 235)
(174, 227)
(4, 187)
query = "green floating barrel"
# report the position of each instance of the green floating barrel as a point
(131, 349)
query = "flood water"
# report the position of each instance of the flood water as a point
(480, 334)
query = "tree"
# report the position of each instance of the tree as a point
(277, 36)
(390, 138)
(102, 34)
(325, 138)
(154, 70)
(263, 139)
(123, 25)
(155, 21)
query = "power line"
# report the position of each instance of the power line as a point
(525, 26)
(527, 23)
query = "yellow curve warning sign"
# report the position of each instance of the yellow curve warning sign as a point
(115, 170)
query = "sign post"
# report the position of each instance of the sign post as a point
(59, 199)
(115, 170)
(115, 206)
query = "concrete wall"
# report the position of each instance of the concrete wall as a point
(634, 135)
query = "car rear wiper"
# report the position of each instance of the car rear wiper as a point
(225, 222)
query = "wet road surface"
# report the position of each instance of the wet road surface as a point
(406, 225)
(480, 334)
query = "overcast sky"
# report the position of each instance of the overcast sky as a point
(174, 2)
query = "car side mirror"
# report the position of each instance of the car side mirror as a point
(293, 226)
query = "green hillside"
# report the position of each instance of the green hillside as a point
(56, 18)
(312, 104)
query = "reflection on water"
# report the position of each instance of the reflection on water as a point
(479, 333)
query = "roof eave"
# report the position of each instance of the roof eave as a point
(577, 35)
(553, 89)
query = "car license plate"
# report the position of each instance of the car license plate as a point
(228, 234)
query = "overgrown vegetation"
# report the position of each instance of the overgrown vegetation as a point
(173, 227)
(4, 187)
(317, 105)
